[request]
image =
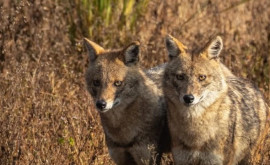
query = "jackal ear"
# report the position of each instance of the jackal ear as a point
(93, 49)
(174, 47)
(214, 48)
(131, 53)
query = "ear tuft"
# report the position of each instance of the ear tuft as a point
(172, 47)
(93, 49)
(131, 53)
(215, 47)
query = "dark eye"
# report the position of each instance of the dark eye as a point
(117, 83)
(96, 83)
(180, 76)
(202, 77)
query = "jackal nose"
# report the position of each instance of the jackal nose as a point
(101, 104)
(188, 98)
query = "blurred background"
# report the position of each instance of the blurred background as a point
(47, 117)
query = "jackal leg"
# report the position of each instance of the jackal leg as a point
(120, 156)
(194, 157)
(145, 155)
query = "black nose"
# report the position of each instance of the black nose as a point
(101, 104)
(188, 98)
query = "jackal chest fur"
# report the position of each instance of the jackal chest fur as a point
(195, 130)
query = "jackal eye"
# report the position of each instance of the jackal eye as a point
(96, 83)
(202, 77)
(180, 76)
(117, 83)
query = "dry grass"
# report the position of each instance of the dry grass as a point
(47, 117)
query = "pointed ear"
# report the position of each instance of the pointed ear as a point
(214, 48)
(131, 54)
(93, 49)
(174, 47)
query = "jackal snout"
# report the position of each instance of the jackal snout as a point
(188, 98)
(101, 104)
(191, 92)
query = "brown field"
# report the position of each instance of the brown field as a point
(47, 117)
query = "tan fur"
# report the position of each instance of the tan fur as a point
(223, 123)
(134, 121)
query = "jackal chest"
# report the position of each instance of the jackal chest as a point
(192, 133)
(122, 135)
(195, 136)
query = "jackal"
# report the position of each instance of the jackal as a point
(131, 107)
(214, 117)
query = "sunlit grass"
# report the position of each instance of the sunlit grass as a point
(107, 16)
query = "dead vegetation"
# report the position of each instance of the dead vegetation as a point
(47, 117)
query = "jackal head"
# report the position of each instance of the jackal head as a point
(112, 75)
(193, 79)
